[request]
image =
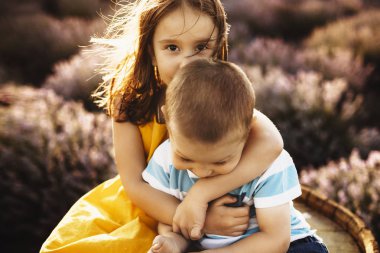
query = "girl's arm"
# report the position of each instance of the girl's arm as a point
(263, 146)
(130, 163)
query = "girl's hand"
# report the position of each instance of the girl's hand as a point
(227, 221)
(189, 217)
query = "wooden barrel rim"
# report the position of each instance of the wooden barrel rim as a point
(350, 222)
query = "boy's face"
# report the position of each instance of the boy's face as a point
(180, 37)
(206, 159)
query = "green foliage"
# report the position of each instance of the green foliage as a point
(51, 153)
(352, 182)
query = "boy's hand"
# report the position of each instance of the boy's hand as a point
(228, 221)
(189, 217)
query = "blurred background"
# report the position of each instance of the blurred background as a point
(315, 66)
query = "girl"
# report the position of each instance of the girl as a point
(148, 41)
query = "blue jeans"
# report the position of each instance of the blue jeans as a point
(308, 244)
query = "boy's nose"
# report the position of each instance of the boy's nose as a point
(202, 172)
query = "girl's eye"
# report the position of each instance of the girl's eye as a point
(201, 47)
(172, 48)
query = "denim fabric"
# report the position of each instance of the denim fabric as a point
(308, 244)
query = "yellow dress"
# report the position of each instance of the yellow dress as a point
(105, 220)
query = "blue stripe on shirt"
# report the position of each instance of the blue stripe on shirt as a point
(277, 183)
(157, 172)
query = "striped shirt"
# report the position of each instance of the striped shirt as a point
(276, 186)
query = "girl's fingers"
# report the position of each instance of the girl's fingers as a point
(231, 224)
(238, 211)
(236, 231)
(226, 199)
(242, 227)
(241, 222)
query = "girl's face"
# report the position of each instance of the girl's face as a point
(181, 36)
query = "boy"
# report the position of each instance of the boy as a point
(208, 112)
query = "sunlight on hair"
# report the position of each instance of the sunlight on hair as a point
(119, 45)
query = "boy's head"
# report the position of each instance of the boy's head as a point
(209, 107)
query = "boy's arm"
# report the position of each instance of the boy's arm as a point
(264, 144)
(130, 162)
(274, 235)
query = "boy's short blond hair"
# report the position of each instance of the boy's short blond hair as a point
(207, 99)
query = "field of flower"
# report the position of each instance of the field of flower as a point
(314, 64)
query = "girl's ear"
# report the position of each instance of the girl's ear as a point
(163, 110)
(161, 115)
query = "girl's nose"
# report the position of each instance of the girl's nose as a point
(188, 59)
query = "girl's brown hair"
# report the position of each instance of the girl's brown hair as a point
(130, 91)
